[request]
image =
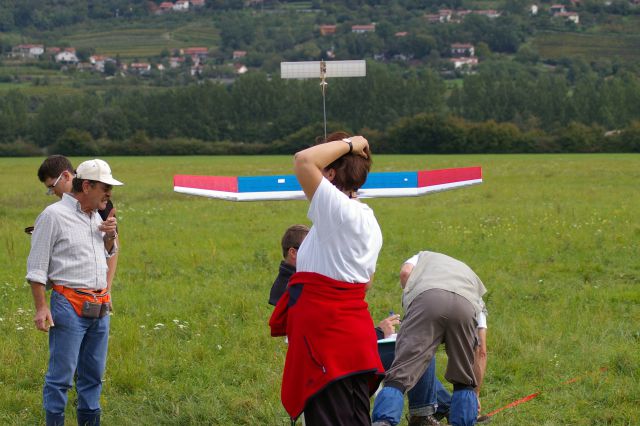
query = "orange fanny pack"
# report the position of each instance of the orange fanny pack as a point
(86, 303)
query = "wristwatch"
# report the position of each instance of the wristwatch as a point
(348, 142)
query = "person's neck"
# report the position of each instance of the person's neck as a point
(84, 206)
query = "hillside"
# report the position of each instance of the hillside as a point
(539, 68)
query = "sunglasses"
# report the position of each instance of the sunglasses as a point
(50, 187)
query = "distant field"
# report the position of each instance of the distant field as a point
(589, 46)
(554, 238)
(145, 42)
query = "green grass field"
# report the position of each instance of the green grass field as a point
(590, 46)
(554, 238)
(145, 42)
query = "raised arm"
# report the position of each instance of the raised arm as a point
(309, 164)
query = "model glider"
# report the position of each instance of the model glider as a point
(286, 187)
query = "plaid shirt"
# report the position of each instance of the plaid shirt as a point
(67, 248)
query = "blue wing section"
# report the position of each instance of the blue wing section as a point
(290, 183)
(268, 183)
(391, 180)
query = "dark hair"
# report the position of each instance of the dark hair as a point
(76, 184)
(293, 237)
(53, 166)
(351, 169)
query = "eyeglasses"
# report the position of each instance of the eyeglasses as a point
(106, 187)
(50, 187)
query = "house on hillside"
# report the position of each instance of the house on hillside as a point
(432, 18)
(462, 49)
(445, 15)
(327, 29)
(165, 6)
(361, 29)
(239, 54)
(27, 50)
(140, 68)
(197, 3)
(463, 13)
(240, 68)
(533, 9)
(97, 62)
(67, 56)
(181, 6)
(84, 66)
(176, 62)
(464, 62)
(401, 34)
(568, 16)
(196, 70)
(198, 54)
(557, 8)
(489, 13)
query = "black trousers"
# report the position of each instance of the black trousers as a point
(344, 402)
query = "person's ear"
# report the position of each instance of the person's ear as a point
(86, 186)
(330, 174)
(293, 253)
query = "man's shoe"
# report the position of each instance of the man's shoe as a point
(439, 416)
(423, 421)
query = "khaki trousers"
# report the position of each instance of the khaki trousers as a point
(435, 316)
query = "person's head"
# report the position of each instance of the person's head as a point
(349, 172)
(93, 183)
(291, 240)
(56, 172)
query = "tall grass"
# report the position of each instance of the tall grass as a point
(553, 237)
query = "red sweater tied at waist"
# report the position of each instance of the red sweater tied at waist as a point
(331, 336)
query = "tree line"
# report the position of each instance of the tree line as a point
(505, 107)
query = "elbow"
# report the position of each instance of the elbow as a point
(404, 276)
(481, 353)
(301, 157)
(300, 161)
(405, 272)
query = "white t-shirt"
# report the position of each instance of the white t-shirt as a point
(482, 316)
(345, 239)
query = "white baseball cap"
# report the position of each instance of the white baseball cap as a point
(97, 170)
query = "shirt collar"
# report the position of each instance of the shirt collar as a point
(72, 202)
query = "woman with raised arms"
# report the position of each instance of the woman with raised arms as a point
(332, 358)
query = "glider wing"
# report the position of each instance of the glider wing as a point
(286, 187)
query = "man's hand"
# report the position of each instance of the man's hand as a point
(43, 319)
(109, 225)
(388, 325)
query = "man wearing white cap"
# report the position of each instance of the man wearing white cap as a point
(69, 249)
(57, 173)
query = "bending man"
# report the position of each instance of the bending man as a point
(442, 298)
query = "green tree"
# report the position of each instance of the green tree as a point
(75, 142)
